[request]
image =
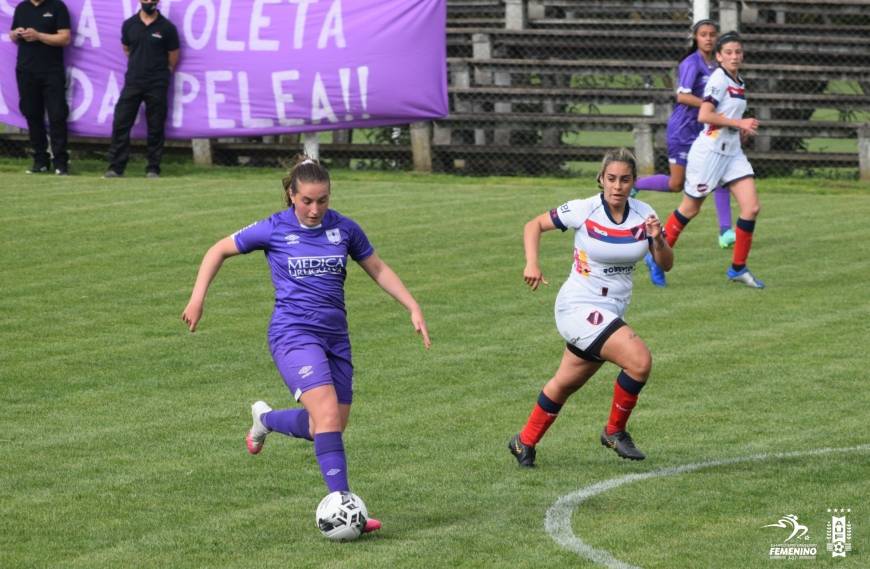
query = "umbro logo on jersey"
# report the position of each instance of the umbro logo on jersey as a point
(291, 239)
(595, 318)
(305, 371)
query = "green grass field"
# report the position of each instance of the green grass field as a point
(121, 434)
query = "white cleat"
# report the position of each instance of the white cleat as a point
(257, 435)
(743, 276)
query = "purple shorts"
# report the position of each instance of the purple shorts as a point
(311, 361)
(678, 153)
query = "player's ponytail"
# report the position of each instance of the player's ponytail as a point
(305, 169)
(618, 155)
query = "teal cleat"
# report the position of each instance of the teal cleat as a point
(727, 239)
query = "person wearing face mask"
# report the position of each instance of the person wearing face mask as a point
(151, 44)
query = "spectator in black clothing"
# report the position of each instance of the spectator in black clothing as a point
(151, 44)
(41, 28)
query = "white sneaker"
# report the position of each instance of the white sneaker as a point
(257, 435)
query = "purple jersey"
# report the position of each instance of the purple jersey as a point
(683, 126)
(309, 266)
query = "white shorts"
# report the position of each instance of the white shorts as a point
(586, 327)
(707, 169)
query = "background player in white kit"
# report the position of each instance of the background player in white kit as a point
(611, 233)
(717, 158)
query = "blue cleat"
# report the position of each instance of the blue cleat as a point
(656, 274)
(743, 276)
(727, 239)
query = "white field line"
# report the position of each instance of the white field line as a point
(558, 519)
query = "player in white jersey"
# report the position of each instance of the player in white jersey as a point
(611, 233)
(717, 158)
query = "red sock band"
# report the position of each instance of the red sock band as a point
(673, 228)
(620, 409)
(741, 246)
(538, 423)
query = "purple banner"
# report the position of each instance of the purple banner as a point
(258, 67)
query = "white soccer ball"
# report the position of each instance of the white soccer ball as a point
(341, 516)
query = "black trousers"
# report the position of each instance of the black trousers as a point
(131, 98)
(40, 94)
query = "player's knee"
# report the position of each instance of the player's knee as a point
(750, 211)
(326, 420)
(639, 365)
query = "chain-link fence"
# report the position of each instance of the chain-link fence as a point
(544, 86)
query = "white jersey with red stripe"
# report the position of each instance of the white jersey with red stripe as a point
(605, 251)
(728, 95)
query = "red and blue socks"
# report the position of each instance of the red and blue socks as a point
(543, 415)
(625, 393)
(329, 450)
(290, 422)
(743, 231)
(674, 226)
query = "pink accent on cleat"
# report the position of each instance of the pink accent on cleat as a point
(253, 447)
(372, 525)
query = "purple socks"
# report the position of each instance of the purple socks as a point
(655, 183)
(290, 422)
(723, 208)
(329, 449)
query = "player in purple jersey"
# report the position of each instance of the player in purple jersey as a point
(307, 247)
(611, 233)
(683, 128)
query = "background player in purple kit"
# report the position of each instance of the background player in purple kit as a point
(611, 233)
(683, 128)
(307, 247)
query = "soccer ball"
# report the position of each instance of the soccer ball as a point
(341, 516)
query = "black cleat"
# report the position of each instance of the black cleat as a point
(621, 442)
(37, 169)
(525, 455)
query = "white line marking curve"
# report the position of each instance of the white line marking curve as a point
(558, 519)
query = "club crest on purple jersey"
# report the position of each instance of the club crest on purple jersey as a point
(334, 236)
